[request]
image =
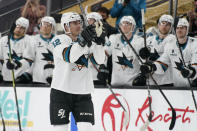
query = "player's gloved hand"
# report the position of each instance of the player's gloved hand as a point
(1, 78)
(148, 67)
(25, 78)
(48, 72)
(154, 56)
(14, 64)
(188, 72)
(103, 73)
(49, 80)
(101, 33)
(88, 34)
(144, 53)
(194, 83)
(140, 80)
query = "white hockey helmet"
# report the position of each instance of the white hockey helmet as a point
(22, 22)
(129, 19)
(94, 15)
(50, 20)
(166, 18)
(69, 17)
(183, 22)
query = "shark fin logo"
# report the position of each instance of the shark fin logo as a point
(124, 62)
(82, 62)
(48, 56)
(15, 56)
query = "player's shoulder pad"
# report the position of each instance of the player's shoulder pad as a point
(61, 39)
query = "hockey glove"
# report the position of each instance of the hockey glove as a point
(88, 34)
(140, 80)
(147, 68)
(194, 83)
(144, 53)
(101, 33)
(1, 78)
(188, 72)
(103, 73)
(49, 80)
(48, 72)
(14, 64)
(25, 78)
(154, 56)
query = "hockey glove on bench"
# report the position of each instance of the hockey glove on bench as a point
(140, 80)
(147, 68)
(25, 78)
(144, 53)
(14, 64)
(188, 72)
(103, 73)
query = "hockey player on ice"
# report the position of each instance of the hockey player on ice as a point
(124, 61)
(172, 57)
(72, 78)
(19, 42)
(156, 45)
(40, 53)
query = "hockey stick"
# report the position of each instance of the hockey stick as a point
(83, 13)
(149, 95)
(143, 128)
(126, 114)
(138, 57)
(180, 50)
(3, 122)
(126, 119)
(13, 78)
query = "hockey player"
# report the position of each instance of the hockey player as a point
(40, 53)
(72, 79)
(19, 42)
(155, 45)
(95, 19)
(124, 61)
(172, 57)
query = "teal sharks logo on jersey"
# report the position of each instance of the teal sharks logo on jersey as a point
(124, 62)
(82, 62)
(15, 56)
(48, 56)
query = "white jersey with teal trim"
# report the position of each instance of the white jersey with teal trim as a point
(72, 73)
(41, 53)
(156, 46)
(125, 63)
(18, 47)
(172, 58)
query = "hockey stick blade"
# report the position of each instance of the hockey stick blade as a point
(173, 121)
(150, 109)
